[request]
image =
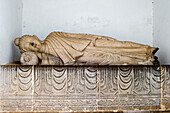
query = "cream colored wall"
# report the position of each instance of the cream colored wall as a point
(143, 21)
(10, 27)
(122, 19)
(162, 29)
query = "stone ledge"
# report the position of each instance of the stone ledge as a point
(84, 88)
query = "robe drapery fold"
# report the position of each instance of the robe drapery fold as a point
(92, 49)
(67, 48)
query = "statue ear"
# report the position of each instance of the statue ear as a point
(17, 41)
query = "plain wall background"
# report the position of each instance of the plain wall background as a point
(162, 29)
(142, 21)
(10, 28)
(122, 19)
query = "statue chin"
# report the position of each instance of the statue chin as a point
(60, 48)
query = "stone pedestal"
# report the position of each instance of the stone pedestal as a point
(84, 88)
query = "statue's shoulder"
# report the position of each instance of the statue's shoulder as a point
(54, 34)
(59, 33)
(66, 34)
(79, 35)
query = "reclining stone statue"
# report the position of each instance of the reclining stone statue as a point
(60, 48)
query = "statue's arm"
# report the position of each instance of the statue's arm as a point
(39, 55)
(83, 36)
(43, 58)
(47, 59)
(91, 37)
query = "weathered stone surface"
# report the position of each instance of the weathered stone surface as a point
(84, 88)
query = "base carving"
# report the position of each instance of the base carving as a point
(84, 88)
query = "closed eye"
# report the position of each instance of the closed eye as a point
(32, 44)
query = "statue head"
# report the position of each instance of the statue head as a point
(28, 43)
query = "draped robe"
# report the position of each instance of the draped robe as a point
(93, 49)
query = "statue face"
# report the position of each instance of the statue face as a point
(29, 43)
